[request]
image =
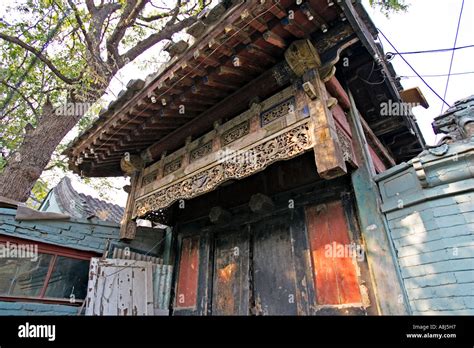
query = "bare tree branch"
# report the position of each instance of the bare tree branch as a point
(40, 56)
(27, 101)
(166, 33)
(127, 19)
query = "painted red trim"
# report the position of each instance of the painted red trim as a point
(50, 249)
(52, 263)
(187, 287)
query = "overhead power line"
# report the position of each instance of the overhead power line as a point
(452, 55)
(413, 69)
(433, 51)
(439, 75)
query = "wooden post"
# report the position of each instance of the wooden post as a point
(304, 60)
(128, 227)
(328, 153)
(389, 292)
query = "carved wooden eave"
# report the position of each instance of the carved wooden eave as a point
(244, 47)
(277, 129)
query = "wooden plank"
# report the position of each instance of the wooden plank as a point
(125, 287)
(186, 295)
(231, 269)
(120, 287)
(346, 273)
(335, 274)
(305, 295)
(274, 271)
(92, 286)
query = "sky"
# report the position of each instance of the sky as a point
(427, 25)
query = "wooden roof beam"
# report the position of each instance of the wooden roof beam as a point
(274, 39)
(210, 81)
(204, 59)
(188, 107)
(263, 86)
(255, 50)
(277, 10)
(238, 33)
(220, 48)
(314, 17)
(225, 70)
(291, 26)
(200, 101)
(256, 23)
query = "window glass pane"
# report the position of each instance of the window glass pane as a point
(69, 277)
(23, 276)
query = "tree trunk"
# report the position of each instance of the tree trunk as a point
(26, 165)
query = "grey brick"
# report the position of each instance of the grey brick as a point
(435, 245)
(446, 211)
(430, 280)
(469, 216)
(468, 197)
(450, 253)
(438, 267)
(464, 276)
(448, 290)
(451, 220)
(437, 304)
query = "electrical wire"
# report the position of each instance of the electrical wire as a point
(452, 55)
(433, 51)
(440, 75)
(413, 69)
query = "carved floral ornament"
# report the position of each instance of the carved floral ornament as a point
(281, 147)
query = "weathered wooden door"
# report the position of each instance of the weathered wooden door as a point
(280, 260)
(288, 263)
(230, 295)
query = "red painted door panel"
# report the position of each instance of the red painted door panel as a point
(335, 275)
(186, 295)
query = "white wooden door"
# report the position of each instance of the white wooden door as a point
(120, 287)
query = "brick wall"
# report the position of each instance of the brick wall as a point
(80, 234)
(434, 243)
(432, 230)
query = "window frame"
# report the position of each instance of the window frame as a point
(55, 251)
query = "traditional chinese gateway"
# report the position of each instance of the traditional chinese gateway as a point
(257, 144)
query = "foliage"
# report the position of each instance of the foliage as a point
(388, 6)
(69, 50)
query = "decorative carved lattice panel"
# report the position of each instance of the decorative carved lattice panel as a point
(282, 146)
(200, 152)
(277, 111)
(149, 178)
(236, 132)
(172, 166)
